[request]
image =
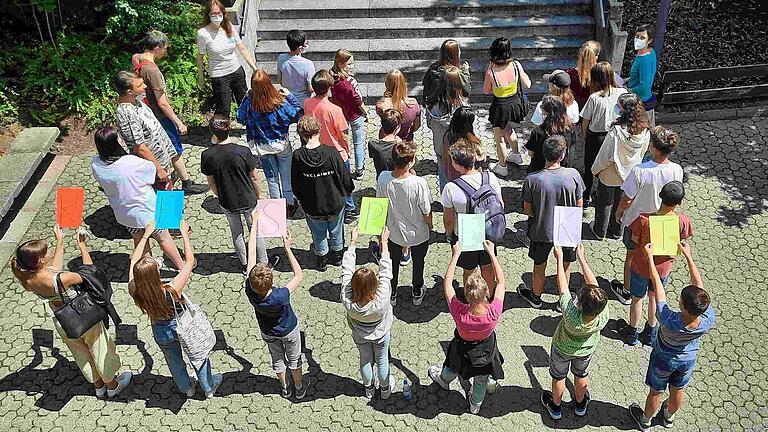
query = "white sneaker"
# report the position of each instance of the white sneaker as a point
(101, 392)
(493, 385)
(499, 170)
(387, 392)
(192, 387)
(474, 409)
(370, 392)
(515, 158)
(216, 383)
(435, 373)
(122, 381)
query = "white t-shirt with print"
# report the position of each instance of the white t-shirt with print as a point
(222, 59)
(643, 185)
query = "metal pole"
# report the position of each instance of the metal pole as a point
(661, 26)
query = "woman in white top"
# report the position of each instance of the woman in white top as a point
(559, 85)
(219, 40)
(597, 117)
(623, 148)
(127, 182)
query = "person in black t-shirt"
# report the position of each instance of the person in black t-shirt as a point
(381, 149)
(231, 172)
(556, 122)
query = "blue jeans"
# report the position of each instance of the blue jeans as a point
(349, 202)
(359, 128)
(165, 336)
(374, 352)
(479, 384)
(277, 170)
(667, 370)
(173, 133)
(441, 178)
(639, 286)
(324, 227)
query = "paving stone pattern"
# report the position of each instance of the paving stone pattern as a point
(41, 388)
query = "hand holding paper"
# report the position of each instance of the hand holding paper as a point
(272, 220)
(567, 226)
(169, 209)
(69, 207)
(373, 215)
(471, 231)
(665, 234)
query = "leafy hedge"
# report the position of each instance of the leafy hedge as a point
(48, 82)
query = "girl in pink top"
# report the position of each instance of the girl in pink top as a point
(473, 354)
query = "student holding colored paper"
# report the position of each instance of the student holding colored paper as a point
(457, 200)
(544, 190)
(671, 195)
(410, 216)
(127, 182)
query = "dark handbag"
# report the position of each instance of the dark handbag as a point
(525, 104)
(79, 314)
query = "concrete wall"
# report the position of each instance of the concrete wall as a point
(244, 14)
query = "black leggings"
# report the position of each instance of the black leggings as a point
(592, 144)
(223, 89)
(418, 253)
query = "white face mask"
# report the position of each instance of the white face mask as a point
(304, 48)
(640, 44)
(217, 19)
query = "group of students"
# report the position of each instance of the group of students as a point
(317, 181)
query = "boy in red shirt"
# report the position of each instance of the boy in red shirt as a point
(333, 126)
(671, 195)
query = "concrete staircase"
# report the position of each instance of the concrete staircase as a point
(407, 34)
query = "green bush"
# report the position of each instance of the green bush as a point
(74, 76)
(9, 109)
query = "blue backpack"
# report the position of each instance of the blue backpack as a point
(485, 200)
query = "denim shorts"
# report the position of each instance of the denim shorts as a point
(663, 371)
(173, 133)
(639, 286)
(559, 364)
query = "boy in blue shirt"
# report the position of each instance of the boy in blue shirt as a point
(643, 69)
(277, 320)
(675, 342)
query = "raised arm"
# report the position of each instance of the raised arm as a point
(348, 261)
(189, 261)
(252, 237)
(138, 251)
(80, 238)
(298, 274)
(448, 279)
(658, 287)
(696, 279)
(57, 262)
(586, 270)
(562, 281)
(501, 285)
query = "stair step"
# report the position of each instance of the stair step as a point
(421, 48)
(421, 27)
(376, 71)
(410, 8)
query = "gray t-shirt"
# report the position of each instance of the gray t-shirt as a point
(599, 109)
(409, 200)
(546, 189)
(295, 71)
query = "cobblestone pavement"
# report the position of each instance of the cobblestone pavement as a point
(725, 162)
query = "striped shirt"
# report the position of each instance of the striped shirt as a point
(138, 125)
(220, 48)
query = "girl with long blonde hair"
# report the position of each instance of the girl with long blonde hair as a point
(396, 97)
(162, 301)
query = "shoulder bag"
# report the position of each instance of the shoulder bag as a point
(195, 332)
(78, 315)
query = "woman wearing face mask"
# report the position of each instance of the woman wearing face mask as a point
(623, 148)
(218, 40)
(346, 94)
(643, 69)
(140, 129)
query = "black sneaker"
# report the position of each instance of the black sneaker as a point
(301, 392)
(645, 336)
(554, 410)
(581, 407)
(418, 295)
(321, 262)
(191, 188)
(350, 216)
(636, 412)
(667, 422)
(526, 293)
(393, 298)
(358, 174)
(621, 293)
(335, 257)
(630, 336)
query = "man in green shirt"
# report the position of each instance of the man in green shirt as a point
(576, 336)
